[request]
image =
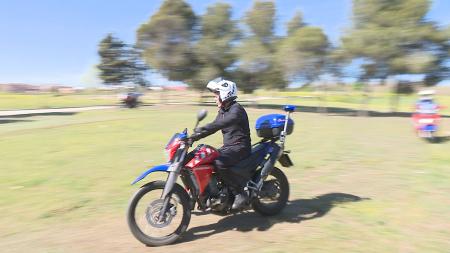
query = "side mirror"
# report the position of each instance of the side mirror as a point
(202, 115)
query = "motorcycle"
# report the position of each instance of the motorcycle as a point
(160, 211)
(426, 121)
(131, 99)
(426, 125)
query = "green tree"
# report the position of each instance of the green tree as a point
(114, 66)
(214, 50)
(166, 40)
(336, 60)
(302, 54)
(394, 38)
(440, 69)
(120, 63)
(257, 65)
(137, 67)
(295, 23)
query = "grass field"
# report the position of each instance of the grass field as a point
(358, 185)
(11, 101)
(379, 101)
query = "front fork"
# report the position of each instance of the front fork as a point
(174, 172)
(268, 166)
(166, 195)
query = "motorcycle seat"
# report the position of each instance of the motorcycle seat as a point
(247, 166)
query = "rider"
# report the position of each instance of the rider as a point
(426, 103)
(233, 121)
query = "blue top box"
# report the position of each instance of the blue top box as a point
(271, 125)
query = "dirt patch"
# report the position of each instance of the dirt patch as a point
(245, 231)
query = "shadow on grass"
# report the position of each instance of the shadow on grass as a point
(338, 111)
(6, 121)
(295, 212)
(38, 114)
(332, 111)
(439, 139)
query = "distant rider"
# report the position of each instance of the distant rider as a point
(426, 103)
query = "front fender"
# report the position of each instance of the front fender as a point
(162, 167)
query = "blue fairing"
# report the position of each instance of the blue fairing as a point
(162, 167)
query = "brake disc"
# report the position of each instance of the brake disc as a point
(153, 211)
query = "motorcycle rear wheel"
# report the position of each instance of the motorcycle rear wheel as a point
(276, 190)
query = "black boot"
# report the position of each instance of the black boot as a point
(240, 200)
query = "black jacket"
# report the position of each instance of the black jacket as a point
(233, 122)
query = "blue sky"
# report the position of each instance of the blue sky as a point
(54, 41)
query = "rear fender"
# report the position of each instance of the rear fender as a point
(285, 160)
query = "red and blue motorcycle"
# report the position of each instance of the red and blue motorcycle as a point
(426, 125)
(160, 211)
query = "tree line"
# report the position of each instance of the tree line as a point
(389, 38)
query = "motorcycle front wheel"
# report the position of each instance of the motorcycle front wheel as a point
(144, 209)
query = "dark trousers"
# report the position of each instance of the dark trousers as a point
(230, 156)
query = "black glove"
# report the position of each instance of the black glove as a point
(195, 136)
(198, 130)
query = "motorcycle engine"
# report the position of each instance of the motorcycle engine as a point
(219, 197)
(220, 202)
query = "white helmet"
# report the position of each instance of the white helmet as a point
(227, 89)
(426, 94)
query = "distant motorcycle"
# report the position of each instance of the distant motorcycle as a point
(131, 99)
(426, 125)
(426, 117)
(160, 211)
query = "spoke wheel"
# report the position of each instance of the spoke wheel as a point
(274, 194)
(144, 214)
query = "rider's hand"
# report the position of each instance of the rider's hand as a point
(197, 130)
(195, 137)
